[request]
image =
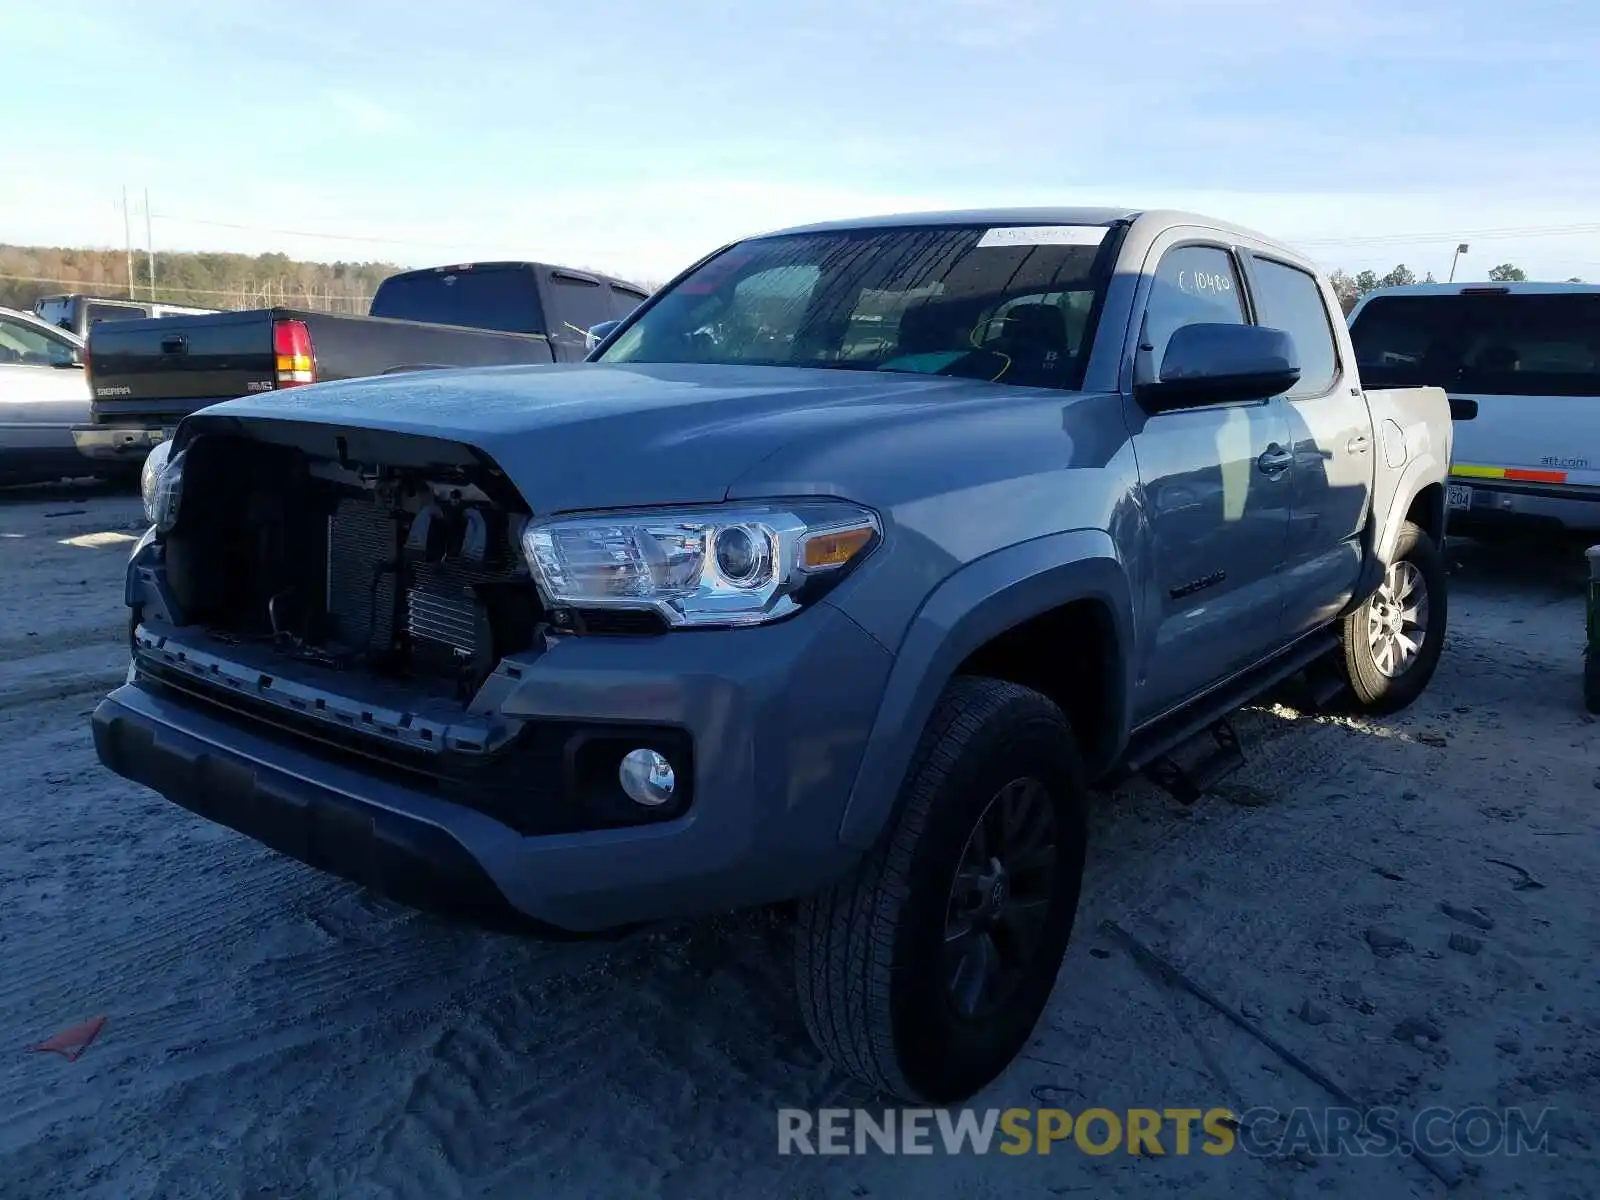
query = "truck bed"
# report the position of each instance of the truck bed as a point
(160, 370)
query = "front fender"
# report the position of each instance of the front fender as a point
(969, 608)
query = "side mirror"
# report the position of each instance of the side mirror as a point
(1463, 410)
(1221, 364)
(599, 333)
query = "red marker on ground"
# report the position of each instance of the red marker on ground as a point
(71, 1043)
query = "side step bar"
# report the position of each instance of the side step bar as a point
(1150, 748)
(1187, 784)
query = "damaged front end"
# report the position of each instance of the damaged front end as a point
(407, 569)
(365, 591)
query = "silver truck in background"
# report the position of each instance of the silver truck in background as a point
(839, 571)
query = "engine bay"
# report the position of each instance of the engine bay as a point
(409, 573)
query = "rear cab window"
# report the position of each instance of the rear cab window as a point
(499, 298)
(55, 312)
(1483, 343)
(114, 312)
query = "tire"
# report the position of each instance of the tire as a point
(1591, 682)
(870, 953)
(1381, 683)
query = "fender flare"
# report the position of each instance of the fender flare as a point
(969, 608)
(1418, 475)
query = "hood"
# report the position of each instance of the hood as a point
(590, 435)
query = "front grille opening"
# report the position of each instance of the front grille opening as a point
(408, 572)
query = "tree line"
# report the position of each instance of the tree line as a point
(1350, 288)
(203, 280)
(210, 280)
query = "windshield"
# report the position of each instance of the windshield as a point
(1009, 304)
(1510, 344)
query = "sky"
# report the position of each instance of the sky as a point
(636, 135)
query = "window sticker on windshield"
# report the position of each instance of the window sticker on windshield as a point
(1044, 235)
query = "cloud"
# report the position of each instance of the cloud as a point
(363, 114)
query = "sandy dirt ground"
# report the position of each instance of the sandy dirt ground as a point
(1407, 906)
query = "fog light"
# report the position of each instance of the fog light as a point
(647, 777)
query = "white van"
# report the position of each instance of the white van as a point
(1528, 354)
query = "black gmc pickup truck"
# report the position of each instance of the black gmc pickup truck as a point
(145, 376)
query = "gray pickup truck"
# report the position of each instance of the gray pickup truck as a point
(839, 572)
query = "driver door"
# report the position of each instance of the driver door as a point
(1216, 489)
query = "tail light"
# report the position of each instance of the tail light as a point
(297, 359)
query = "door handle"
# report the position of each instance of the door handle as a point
(1275, 460)
(1358, 444)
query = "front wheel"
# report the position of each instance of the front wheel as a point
(1391, 644)
(924, 974)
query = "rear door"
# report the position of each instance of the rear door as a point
(1531, 360)
(1330, 431)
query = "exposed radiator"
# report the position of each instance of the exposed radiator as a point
(362, 538)
(444, 618)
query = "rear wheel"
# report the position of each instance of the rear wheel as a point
(1591, 682)
(924, 974)
(1391, 644)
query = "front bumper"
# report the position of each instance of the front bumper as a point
(118, 443)
(778, 718)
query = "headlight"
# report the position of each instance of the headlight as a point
(160, 484)
(729, 565)
(154, 463)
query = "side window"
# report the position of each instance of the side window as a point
(583, 302)
(26, 346)
(624, 302)
(1194, 285)
(1289, 299)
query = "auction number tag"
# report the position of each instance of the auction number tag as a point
(1044, 235)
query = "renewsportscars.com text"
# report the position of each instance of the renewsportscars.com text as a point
(1259, 1132)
